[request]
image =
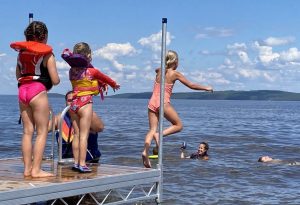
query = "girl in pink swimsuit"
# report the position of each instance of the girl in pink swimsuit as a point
(171, 76)
(41, 73)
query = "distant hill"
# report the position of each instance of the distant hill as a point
(55, 95)
(272, 95)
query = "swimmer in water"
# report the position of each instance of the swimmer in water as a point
(200, 154)
(268, 159)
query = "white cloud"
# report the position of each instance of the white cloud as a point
(247, 73)
(116, 76)
(266, 54)
(268, 77)
(112, 51)
(237, 47)
(154, 41)
(62, 65)
(210, 32)
(243, 56)
(132, 67)
(2, 54)
(148, 68)
(205, 52)
(208, 78)
(292, 55)
(273, 41)
(148, 75)
(131, 76)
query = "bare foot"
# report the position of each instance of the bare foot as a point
(27, 174)
(41, 173)
(146, 161)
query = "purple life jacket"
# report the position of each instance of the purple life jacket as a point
(80, 61)
(76, 60)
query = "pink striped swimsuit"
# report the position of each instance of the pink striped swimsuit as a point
(154, 101)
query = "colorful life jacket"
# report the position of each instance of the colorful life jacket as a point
(67, 129)
(84, 86)
(30, 61)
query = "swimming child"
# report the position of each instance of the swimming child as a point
(200, 154)
(171, 76)
(268, 159)
(85, 82)
(36, 73)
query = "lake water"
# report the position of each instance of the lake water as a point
(238, 132)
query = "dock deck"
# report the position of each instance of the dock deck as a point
(127, 184)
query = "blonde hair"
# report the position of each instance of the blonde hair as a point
(83, 49)
(171, 58)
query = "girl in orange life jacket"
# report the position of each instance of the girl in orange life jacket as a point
(36, 73)
(85, 82)
(171, 76)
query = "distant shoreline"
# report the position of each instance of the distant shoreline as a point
(268, 95)
(264, 95)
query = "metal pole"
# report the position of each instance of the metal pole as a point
(61, 120)
(30, 17)
(52, 117)
(161, 107)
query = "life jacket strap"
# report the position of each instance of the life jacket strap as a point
(25, 79)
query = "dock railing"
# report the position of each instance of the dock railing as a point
(161, 109)
(60, 151)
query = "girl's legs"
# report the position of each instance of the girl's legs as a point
(28, 129)
(85, 119)
(75, 142)
(172, 116)
(153, 120)
(40, 109)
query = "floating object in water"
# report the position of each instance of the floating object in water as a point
(183, 145)
(153, 156)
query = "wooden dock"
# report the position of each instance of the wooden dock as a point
(127, 184)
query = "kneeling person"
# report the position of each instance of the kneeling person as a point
(93, 153)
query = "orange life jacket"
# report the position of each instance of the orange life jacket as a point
(30, 61)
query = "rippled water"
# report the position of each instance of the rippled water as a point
(238, 132)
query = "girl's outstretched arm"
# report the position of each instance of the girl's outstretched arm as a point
(104, 78)
(190, 84)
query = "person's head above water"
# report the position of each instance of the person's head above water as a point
(203, 148)
(265, 159)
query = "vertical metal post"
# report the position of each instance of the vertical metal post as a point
(61, 120)
(52, 117)
(161, 108)
(30, 17)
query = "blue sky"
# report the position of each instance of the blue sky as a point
(230, 44)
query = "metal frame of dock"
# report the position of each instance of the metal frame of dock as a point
(107, 184)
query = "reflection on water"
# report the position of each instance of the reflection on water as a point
(238, 132)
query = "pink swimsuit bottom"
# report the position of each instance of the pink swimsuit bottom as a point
(79, 102)
(154, 101)
(29, 90)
